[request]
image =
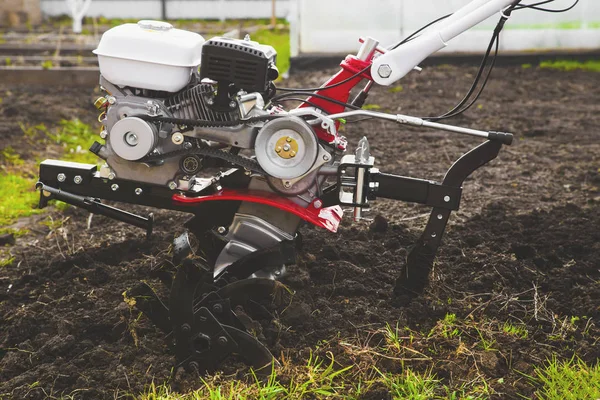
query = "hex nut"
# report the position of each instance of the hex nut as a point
(61, 177)
(78, 179)
(114, 187)
(384, 71)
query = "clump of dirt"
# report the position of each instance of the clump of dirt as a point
(523, 248)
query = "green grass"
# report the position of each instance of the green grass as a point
(280, 40)
(569, 65)
(76, 138)
(566, 380)
(17, 197)
(17, 176)
(519, 331)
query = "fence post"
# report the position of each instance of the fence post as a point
(78, 9)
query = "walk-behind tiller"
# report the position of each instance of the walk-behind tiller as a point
(167, 125)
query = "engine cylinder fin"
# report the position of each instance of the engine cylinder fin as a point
(190, 104)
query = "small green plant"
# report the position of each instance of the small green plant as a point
(6, 259)
(526, 66)
(371, 107)
(515, 330)
(76, 138)
(446, 327)
(9, 156)
(8, 61)
(410, 385)
(485, 343)
(569, 380)
(396, 89)
(47, 64)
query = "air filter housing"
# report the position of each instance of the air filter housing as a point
(245, 64)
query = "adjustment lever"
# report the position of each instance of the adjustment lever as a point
(96, 207)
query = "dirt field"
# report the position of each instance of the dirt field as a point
(523, 249)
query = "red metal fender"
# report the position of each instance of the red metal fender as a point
(328, 218)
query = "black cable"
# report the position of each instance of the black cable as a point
(319, 96)
(310, 103)
(534, 7)
(412, 35)
(459, 109)
(325, 87)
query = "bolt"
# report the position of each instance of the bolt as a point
(114, 187)
(247, 172)
(447, 199)
(172, 185)
(185, 328)
(78, 179)
(287, 184)
(278, 149)
(103, 134)
(278, 273)
(288, 139)
(217, 308)
(187, 145)
(317, 204)
(222, 340)
(440, 216)
(292, 153)
(61, 177)
(384, 71)
(433, 235)
(210, 101)
(221, 230)
(326, 157)
(177, 138)
(131, 139)
(232, 104)
(138, 191)
(286, 147)
(111, 176)
(111, 100)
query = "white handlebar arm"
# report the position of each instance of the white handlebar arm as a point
(394, 64)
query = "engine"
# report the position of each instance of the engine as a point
(160, 128)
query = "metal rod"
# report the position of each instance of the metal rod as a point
(414, 121)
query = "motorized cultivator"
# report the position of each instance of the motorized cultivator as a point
(197, 126)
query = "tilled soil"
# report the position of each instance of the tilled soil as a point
(523, 248)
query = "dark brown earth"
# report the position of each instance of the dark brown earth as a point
(524, 248)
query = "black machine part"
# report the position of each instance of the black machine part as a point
(238, 65)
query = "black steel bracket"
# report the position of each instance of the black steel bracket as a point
(415, 273)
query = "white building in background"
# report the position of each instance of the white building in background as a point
(174, 9)
(334, 26)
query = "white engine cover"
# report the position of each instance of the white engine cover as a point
(149, 55)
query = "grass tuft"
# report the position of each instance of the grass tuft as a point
(18, 197)
(566, 380)
(569, 65)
